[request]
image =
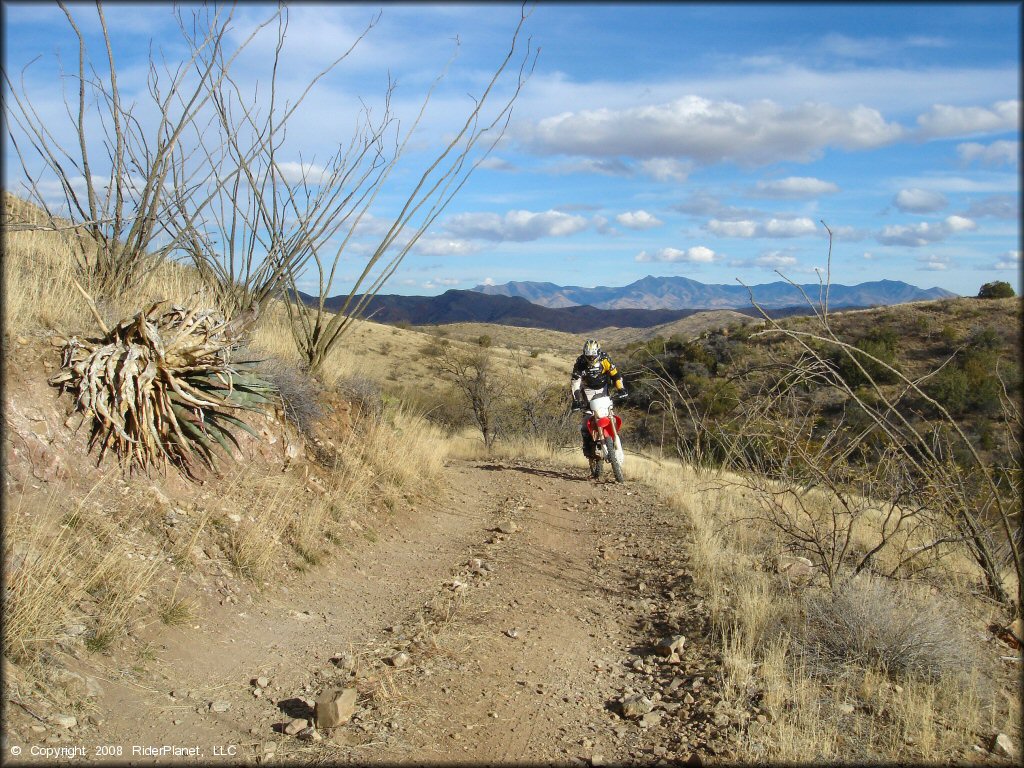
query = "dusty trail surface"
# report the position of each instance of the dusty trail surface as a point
(506, 620)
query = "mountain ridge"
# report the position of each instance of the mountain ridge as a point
(678, 292)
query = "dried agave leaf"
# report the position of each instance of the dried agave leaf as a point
(159, 386)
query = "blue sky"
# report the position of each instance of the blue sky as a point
(705, 140)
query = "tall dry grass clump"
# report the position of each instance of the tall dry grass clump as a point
(62, 551)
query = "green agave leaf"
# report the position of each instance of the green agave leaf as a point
(224, 432)
(235, 422)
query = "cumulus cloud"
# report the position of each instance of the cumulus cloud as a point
(638, 220)
(944, 121)
(775, 259)
(919, 201)
(1009, 260)
(442, 246)
(698, 254)
(517, 226)
(924, 233)
(771, 228)
(994, 154)
(795, 187)
(934, 263)
(707, 132)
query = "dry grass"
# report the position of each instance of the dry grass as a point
(875, 674)
(63, 549)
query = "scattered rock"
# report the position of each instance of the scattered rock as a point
(399, 660)
(796, 569)
(650, 720)
(310, 734)
(295, 726)
(220, 706)
(513, 633)
(846, 708)
(335, 707)
(636, 706)
(262, 682)
(1003, 746)
(344, 660)
(670, 645)
(509, 526)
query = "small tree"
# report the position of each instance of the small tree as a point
(481, 386)
(997, 289)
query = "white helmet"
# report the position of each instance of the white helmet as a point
(591, 349)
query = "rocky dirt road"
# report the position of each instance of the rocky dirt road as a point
(515, 617)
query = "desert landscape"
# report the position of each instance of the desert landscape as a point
(309, 310)
(481, 605)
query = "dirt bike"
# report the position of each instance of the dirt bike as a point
(604, 428)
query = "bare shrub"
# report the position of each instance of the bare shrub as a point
(300, 392)
(869, 623)
(366, 394)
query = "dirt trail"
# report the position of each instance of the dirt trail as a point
(520, 646)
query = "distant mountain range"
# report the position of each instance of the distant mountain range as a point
(644, 304)
(679, 293)
(474, 307)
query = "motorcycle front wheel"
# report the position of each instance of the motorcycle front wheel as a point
(614, 458)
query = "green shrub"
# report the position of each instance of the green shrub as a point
(997, 289)
(484, 341)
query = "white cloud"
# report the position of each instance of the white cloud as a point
(919, 201)
(517, 226)
(708, 132)
(771, 228)
(775, 259)
(638, 220)
(934, 263)
(924, 233)
(698, 254)
(442, 246)
(1009, 260)
(666, 168)
(945, 121)
(849, 234)
(960, 224)
(795, 187)
(489, 281)
(441, 282)
(996, 153)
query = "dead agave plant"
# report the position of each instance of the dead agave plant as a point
(161, 387)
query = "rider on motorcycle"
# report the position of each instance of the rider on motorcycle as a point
(591, 376)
